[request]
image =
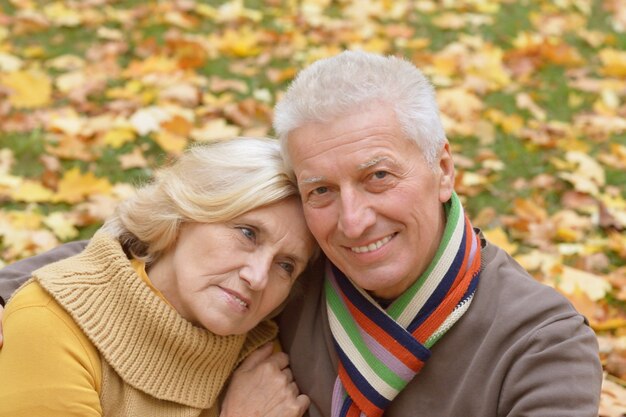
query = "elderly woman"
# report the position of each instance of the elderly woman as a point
(168, 298)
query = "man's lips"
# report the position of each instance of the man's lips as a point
(373, 245)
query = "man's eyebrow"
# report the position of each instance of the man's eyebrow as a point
(372, 162)
(311, 180)
(299, 260)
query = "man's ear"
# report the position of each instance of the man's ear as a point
(445, 169)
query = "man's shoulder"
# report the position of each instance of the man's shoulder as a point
(506, 288)
(15, 274)
(28, 265)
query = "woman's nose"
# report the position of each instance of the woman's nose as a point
(256, 272)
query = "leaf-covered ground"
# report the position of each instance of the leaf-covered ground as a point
(96, 93)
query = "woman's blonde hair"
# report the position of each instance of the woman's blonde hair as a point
(209, 183)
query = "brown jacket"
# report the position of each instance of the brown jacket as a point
(520, 350)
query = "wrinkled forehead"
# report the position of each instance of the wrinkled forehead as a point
(282, 225)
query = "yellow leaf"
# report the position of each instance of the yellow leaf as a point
(171, 143)
(32, 192)
(129, 90)
(205, 10)
(617, 242)
(7, 160)
(24, 220)
(588, 174)
(537, 260)
(61, 226)
(460, 103)
(488, 64)
(62, 15)
(614, 62)
(499, 238)
(66, 83)
(241, 43)
(571, 280)
(509, 123)
(8, 183)
(445, 65)
(34, 52)
(472, 179)
(148, 120)
(135, 159)
(486, 132)
(28, 89)
(565, 234)
(451, 21)
(75, 186)
(525, 102)
(118, 137)
(152, 64)
(9, 63)
(215, 130)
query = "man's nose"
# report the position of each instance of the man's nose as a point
(256, 271)
(356, 215)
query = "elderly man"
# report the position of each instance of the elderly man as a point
(412, 312)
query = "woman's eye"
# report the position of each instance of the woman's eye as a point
(248, 233)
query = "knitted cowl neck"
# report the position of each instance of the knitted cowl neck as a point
(144, 340)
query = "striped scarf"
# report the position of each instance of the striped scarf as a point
(380, 351)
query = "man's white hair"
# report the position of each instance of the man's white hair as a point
(334, 87)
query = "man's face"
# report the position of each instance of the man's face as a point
(370, 198)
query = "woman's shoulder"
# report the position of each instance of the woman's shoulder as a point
(31, 294)
(44, 344)
(34, 313)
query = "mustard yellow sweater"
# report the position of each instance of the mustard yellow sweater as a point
(90, 337)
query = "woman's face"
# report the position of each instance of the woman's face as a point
(227, 277)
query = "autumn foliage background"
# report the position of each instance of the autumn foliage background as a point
(94, 94)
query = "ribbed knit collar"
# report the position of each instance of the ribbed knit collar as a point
(147, 342)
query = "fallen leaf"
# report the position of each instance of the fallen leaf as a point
(612, 400)
(525, 102)
(27, 89)
(613, 62)
(135, 159)
(570, 280)
(61, 225)
(115, 138)
(587, 176)
(170, 142)
(75, 186)
(32, 192)
(215, 130)
(499, 238)
(148, 120)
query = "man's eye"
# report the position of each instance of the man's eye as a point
(320, 191)
(288, 267)
(379, 175)
(248, 233)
